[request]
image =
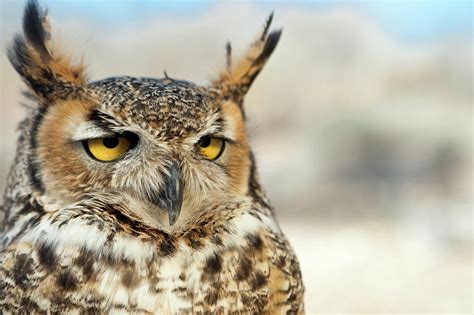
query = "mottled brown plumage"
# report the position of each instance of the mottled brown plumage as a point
(163, 227)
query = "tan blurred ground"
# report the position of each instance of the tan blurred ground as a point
(364, 143)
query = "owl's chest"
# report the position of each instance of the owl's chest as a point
(88, 267)
(189, 281)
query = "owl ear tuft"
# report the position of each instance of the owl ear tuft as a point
(49, 74)
(236, 79)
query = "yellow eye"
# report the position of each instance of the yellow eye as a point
(211, 147)
(108, 149)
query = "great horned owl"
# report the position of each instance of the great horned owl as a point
(137, 194)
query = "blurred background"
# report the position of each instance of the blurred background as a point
(361, 123)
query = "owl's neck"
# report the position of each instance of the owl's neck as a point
(105, 233)
(255, 190)
(19, 194)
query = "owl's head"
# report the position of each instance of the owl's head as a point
(167, 146)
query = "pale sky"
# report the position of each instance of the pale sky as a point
(407, 20)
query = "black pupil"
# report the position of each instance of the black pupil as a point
(111, 142)
(205, 141)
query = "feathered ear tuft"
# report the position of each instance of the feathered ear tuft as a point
(236, 80)
(50, 75)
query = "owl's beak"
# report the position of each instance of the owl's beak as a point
(171, 197)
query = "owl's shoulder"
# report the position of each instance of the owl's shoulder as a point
(264, 269)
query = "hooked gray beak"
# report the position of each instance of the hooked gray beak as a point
(171, 196)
